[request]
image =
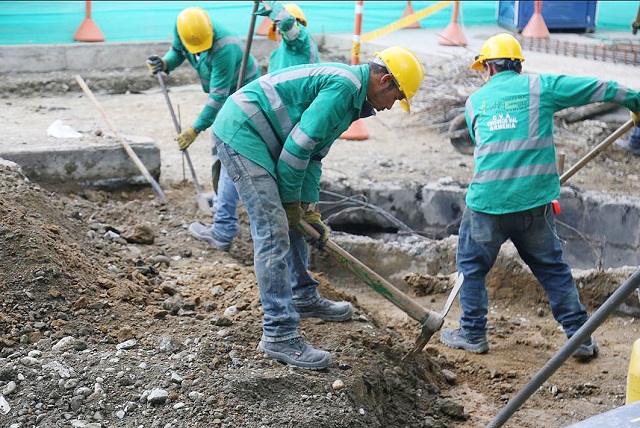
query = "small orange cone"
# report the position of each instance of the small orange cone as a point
(453, 34)
(88, 30)
(263, 28)
(357, 131)
(536, 28)
(408, 10)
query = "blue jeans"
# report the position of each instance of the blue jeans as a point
(634, 140)
(225, 217)
(534, 235)
(280, 257)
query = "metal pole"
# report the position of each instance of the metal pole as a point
(247, 50)
(179, 130)
(357, 31)
(583, 333)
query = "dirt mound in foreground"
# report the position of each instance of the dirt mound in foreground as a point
(98, 330)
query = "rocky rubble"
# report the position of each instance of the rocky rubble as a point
(100, 331)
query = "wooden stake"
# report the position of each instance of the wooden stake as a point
(122, 141)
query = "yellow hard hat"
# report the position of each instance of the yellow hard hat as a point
(195, 29)
(297, 13)
(502, 45)
(406, 69)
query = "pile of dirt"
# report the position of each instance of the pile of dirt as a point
(111, 314)
(99, 329)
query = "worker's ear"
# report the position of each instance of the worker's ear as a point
(385, 80)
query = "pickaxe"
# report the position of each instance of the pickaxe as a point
(201, 198)
(429, 320)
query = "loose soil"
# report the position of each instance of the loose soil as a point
(111, 314)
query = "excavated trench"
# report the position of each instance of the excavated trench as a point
(593, 226)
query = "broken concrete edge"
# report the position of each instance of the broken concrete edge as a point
(594, 227)
(94, 56)
(95, 165)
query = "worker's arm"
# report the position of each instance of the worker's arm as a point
(571, 91)
(174, 56)
(470, 118)
(222, 83)
(293, 33)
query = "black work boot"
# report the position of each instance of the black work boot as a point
(297, 353)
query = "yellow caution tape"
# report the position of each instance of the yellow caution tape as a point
(404, 22)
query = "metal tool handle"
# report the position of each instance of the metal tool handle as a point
(452, 295)
(247, 49)
(179, 130)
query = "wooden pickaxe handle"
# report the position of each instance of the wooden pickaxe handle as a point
(122, 141)
(596, 150)
(430, 321)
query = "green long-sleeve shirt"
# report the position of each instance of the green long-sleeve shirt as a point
(510, 119)
(286, 121)
(218, 69)
(297, 47)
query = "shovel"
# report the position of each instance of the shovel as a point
(203, 201)
(430, 321)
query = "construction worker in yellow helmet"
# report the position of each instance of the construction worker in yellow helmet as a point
(515, 184)
(216, 54)
(271, 137)
(297, 46)
(195, 40)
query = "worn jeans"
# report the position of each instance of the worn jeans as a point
(280, 257)
(634, 139)
(225, 204)
(534, 235)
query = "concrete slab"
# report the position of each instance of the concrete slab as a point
(75, 164)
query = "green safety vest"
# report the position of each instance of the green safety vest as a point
(218, 69)
(297, 46)
(510, 119)
(287, 120)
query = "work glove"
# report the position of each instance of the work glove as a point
(156, 64)
(186, 137)
(315, 220)
(263, 10)
(635, 117)
(294, 214)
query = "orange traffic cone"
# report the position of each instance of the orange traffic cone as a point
(453, 34)
(536, 27)
(88, 30)
(408, 10)
(357, 131)
(263, 28)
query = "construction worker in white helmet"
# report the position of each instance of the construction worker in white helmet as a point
(297, 47)
(516, 184)
(216, 54)
(271, 137)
